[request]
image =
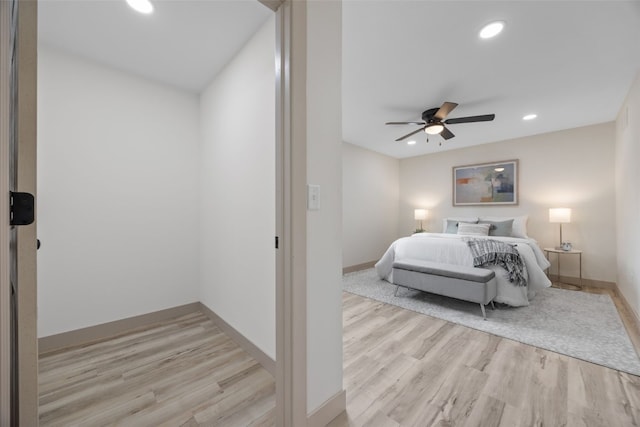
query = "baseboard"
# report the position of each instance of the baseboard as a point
(585, 282)
(328, 410)
(358, 267)
(267, 362)
(636, 316)
(631, 320)
(100, 332)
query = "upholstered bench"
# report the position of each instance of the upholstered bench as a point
(456, 281)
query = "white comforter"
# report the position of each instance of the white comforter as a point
(451, 249)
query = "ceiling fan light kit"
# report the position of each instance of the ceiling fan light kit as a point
(434, 128)
(492, 29)
(434, 121)
(141, 6)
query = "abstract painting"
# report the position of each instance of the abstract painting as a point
(486, 184)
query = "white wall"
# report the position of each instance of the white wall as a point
(324, 227)
(370, 202)
(117, 194)
(127, 198)
(238, 191)
(571, 168)
(628, 196)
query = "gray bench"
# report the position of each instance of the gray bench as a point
(456, 281)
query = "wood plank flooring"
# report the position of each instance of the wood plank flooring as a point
(401, 369)
(407, 369)
(183, 372)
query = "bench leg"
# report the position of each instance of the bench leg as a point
(493, 307)
(484, 313)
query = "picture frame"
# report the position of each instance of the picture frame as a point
(486, 184)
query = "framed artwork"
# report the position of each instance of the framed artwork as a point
(486, 184)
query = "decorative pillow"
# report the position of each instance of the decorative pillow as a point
(519, 228)
(499, 228)
(473, 229)
(450, 225)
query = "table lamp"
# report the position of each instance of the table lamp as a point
(420, 215)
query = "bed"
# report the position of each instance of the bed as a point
(452, 248)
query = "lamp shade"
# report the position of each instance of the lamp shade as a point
(561, 215)
(420, 214)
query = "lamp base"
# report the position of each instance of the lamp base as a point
(564, 246)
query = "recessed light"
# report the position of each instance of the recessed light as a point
(412, 142)
(491, 30)
(530, 117)
(142, 6)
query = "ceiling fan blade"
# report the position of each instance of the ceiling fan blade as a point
(409, 134)
(405, 123)
(444, 111)
(446, 134)
(471, 119)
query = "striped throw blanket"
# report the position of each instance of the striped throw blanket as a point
(488, 251)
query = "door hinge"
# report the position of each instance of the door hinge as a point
(276, 242)
(21, 208)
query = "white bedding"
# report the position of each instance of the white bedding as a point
(451, 249)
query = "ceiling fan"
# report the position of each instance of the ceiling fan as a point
(434, 121)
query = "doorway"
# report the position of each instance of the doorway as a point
(51, 242)
(325, 393)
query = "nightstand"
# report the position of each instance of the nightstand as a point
(561, 252)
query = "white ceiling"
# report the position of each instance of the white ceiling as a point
(183, 42)
(571, 62)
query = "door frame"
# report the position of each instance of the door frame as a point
(24, 129)
(6, 8)
(291, 215)
(291, 334)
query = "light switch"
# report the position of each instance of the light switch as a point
(313, 197)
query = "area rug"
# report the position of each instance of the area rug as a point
(577, 324)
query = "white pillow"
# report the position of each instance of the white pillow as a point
(472, 219)
(473, 229)
(519, 228)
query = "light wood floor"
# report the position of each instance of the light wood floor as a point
(407, 369)
(401, 369)
(184, 372)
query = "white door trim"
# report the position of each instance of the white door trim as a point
(291, 217)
